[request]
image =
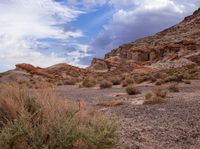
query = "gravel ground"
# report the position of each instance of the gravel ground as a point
(174, 124)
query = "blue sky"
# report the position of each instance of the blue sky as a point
(46, 32)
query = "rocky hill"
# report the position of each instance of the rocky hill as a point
(32, 76)
(175, 47)
(178, 45)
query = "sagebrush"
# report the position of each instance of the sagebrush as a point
(38, 120)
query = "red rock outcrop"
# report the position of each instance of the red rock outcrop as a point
(34, 70)
(171, 44)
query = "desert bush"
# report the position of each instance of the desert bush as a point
(159, 82)
(105, 84)
(124, 84)
(127, 81)
(116, 81)
(174, 78)
(88, 83)
(139, 79)
(160, 92)
(187, 76)
(187, 82)
(156, 96)
(41, 120)
(112, 103)
(69, 81)
(132, 90)
(99, 79)
(195, 76)
(173, 87)
(152, 79)
(148, 95)
(59, 83)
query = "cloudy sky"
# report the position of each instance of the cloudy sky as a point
(46, 32)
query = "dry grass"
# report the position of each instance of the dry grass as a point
(69, 81)
(187, 82)
(132, 90)
(41, 120)
(105, 84)
(148, 96)
(88, 83)
(157, 96)
(173, 87)
(110, 103)
(116, 81)
(159, 82)
(138, 79)
(174, 78)
(127, 81)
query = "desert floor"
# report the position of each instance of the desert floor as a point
(174, 124)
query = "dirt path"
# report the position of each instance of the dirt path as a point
(171, 125)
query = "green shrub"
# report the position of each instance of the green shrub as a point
(105, 84)
(132, 90)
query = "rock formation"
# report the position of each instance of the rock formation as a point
(175, 47)
(174, 43)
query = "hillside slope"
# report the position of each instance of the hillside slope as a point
(179, 43)
(175, 47)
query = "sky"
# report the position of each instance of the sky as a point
(47, 32)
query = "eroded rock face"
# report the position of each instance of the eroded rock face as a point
(152, 56)
(194, 57)
(171, 44)
(99, 64)
(104, 65)
(33, 70)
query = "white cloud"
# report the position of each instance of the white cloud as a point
(74, 57)
(22, 23)
(119, 4)
(87, 3)
(135, 19)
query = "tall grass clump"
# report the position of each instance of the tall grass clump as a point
(132, 90)
(116, 81)
(37, 120)
(157, 96)
(88, 83)
(173, 87)
(127, 81)
(105, 84)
